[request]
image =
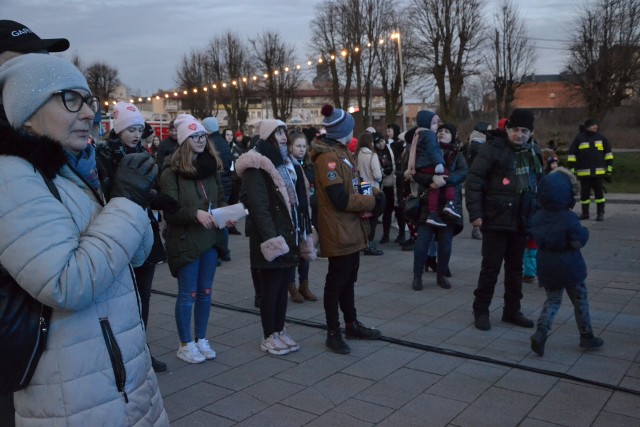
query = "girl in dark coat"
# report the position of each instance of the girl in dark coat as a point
(278, 225)
(560, 236)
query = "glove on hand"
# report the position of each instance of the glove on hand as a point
(439, 168)
(607, 177)
(162, 202)
(134, 178)
(381, 201)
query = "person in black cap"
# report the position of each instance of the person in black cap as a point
(477, 139)
(17, 39)
(500, 195)
(591, 159)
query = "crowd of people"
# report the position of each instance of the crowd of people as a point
(131, 201)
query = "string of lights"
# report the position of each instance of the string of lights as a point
(259, 78)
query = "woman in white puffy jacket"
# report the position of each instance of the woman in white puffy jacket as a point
(74, 254)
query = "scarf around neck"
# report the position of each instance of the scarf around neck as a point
(528, 168)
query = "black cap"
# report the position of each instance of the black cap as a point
(17, 37)
(590, 122)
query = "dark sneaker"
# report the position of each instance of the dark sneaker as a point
(451, 211)
(528, 279)
(407, 242)
(538, 340)
(372, 250)
(360, 332)
(589, 341)
(336, 344)
(476, 234)
(517, 319)
(600, 217)
(385, 239)
(417, 283)
(434, 219)
(482, 322)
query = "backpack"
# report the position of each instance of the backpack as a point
(24, 326)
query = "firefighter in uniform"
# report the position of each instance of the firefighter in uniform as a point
(591, 159)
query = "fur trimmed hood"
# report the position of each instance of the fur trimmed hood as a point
(254, 160)
(43, 152)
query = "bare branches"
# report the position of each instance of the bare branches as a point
(449, 34)
(513, 55)
(275, 57)
(102, 79)
(605, 53)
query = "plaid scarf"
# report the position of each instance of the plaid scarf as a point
(528, 168)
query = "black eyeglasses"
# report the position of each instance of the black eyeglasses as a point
(199, 137)
(73, 100)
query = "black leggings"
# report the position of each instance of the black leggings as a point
(273, 299)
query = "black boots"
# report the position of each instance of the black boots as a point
(482, 321)
(335, 343)
(600, 211)
(417, 283)
(431, 263)
(516, 318)
(585, 211)
(358, 331)
(538, 340)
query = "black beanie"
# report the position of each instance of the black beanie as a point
(482, 127)
(590, 122)
(521, 118)
(451, 128)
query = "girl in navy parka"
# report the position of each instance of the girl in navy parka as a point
(559, 235)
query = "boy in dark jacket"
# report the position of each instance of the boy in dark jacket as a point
(560, 236)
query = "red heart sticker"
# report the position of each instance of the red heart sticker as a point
(115, 114)
(505, 181)
(131, 108)
(193, 126)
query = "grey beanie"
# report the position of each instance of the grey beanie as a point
(28, 81)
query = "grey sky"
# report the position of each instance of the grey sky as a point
(144, 39)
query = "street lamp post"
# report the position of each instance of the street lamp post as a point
(396, 36)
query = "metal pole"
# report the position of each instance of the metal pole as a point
(404, 116)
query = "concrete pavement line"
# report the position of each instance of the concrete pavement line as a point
(433, 349)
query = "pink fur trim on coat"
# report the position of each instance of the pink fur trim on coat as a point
(254, 160)
(308, 249)
(273, 248)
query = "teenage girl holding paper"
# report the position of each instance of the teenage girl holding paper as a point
(194, 241)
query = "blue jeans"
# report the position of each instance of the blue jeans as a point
(303, 271)
(579, 299)
(426, 233)
(194, 285)
(530, 267)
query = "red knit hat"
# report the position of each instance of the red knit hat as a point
(237, 134)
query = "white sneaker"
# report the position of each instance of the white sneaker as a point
(205, 348)
(288, 341)
(273, 345)
(190, 353)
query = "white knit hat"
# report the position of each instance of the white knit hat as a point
(187, 125)
(126, 115)
(266, 127)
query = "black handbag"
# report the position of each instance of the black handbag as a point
(24, 326)
(411, 210)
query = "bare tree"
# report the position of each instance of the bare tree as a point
(193, 75)
(329, 37)
(230, 63)
(449, 34)
(605, 54)
(389, 67)
(276, 59)
(513, 56)
(102, 79)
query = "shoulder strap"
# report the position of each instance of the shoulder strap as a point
(52, 187)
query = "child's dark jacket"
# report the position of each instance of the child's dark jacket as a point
(559, 234)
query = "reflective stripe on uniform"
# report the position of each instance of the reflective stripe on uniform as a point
(571, 158)
(608, 156)
(583, 146)
(585, 202)
(600, 200)
(583, 172)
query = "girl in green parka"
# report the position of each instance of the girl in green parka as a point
(192, 177)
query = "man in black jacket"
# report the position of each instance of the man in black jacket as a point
(167, 146)
(500, 193)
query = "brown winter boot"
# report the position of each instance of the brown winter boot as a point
(306, 292)
(295, 295)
